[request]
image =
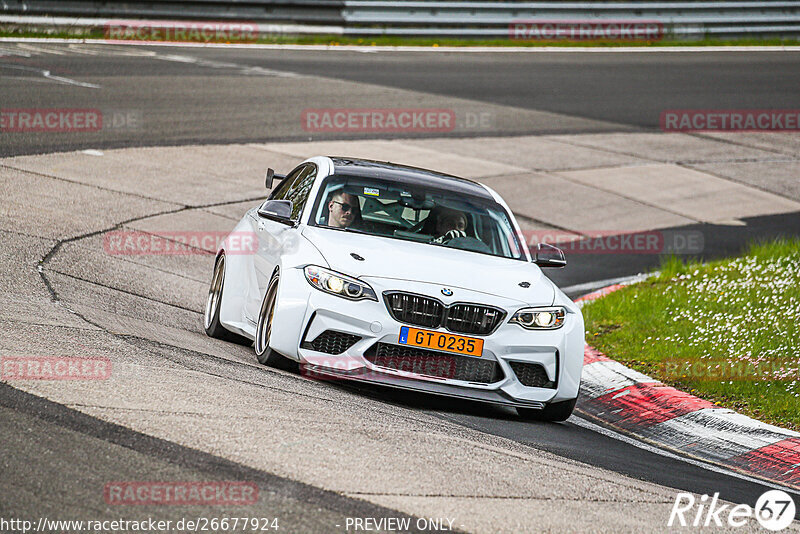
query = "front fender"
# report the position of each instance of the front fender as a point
(574, 344)
(294, 292)
(291, 306)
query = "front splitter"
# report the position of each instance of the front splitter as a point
(371, 376)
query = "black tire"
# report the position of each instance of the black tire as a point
(211, 315)
(553, 412)
(264, 353)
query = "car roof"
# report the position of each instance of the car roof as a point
(408, 175)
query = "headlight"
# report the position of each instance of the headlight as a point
(338, 284)
(540, 318)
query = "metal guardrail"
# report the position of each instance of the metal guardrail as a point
(296, 11)
(492, 19)
(435, 18)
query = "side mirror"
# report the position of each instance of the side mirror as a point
(277, 210)
(271, 177)
(549, 256)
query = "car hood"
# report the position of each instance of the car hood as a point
(419, 262)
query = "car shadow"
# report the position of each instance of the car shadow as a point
(415, 400)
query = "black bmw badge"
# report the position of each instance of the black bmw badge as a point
(447, 292)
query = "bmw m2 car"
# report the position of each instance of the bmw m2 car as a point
(403, 277)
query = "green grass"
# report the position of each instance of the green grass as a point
(742, 312)
(337, 40)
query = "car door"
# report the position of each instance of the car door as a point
(273, 236)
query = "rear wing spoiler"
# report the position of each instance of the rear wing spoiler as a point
(271, 177)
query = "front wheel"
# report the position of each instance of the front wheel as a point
(264, 353)
(554, 412)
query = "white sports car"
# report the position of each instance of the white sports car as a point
(403, 277)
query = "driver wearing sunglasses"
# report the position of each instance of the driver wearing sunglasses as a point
(343, 209)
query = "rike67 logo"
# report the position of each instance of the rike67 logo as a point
(774, 510)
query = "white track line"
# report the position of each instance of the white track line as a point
(589, 287)
(580, 421)
(462, 49)
(47, 74)
(40, 50)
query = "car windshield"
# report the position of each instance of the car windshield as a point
(413, 213)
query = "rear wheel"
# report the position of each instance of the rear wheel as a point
(213, 303)
(264, 353)
(555, 411)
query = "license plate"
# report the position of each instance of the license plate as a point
(440, 341)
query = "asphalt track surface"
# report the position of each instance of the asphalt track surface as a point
(224, 101)
(209, 95)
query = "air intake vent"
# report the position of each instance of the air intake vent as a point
(432, 363)
(331, 342)
(532, 375)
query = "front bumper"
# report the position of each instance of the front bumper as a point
(304, 313)
(363, 374)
